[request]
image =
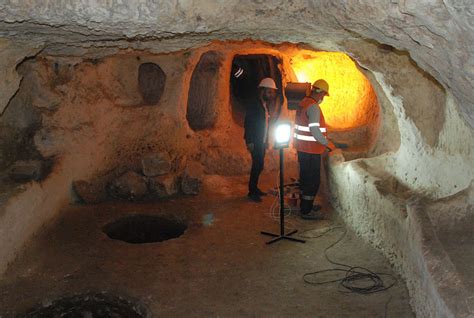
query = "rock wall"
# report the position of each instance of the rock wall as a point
(436, 146)
(379, 196)
(12, 53)
(101, 127)
(92, 118)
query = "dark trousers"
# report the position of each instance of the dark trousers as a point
(310, 170)
(258, 158)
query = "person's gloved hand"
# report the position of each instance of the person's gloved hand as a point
(250, 147)
(330, 146)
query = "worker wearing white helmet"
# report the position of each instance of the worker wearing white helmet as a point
(256, 133)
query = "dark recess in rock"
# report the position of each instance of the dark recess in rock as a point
(151, 82)
(201, 112)
(37, 170)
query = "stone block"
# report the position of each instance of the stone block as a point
(156, 164)
(129, 186)
(225, 162)
(191, 180)
(88, 192)
(163, 186)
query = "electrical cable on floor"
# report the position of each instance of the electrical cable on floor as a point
(274, 212)
(302, 234)
(356, 279)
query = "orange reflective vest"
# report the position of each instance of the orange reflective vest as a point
(303, 139)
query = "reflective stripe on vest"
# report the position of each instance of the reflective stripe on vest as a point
(307, 128)
(303, 138)
(301, 128)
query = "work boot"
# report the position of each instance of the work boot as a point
(312, 215)
(255, 197)
(308, 211)
(306, 206)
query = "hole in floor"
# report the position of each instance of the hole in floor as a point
(140, 229)
(93, 306)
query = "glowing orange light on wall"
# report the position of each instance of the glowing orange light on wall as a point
(352, 101)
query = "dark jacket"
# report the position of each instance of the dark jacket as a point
(255, 123)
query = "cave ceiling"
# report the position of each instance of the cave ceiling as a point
(438, 35)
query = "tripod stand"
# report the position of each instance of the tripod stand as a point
(282, 235)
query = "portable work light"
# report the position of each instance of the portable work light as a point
(282, 135)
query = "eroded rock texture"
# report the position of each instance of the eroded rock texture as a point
(202, 112)
(437, 34)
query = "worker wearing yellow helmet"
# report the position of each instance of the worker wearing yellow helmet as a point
(310, 141)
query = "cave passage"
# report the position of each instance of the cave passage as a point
(124, 166)
(247, 72)
(141, 147)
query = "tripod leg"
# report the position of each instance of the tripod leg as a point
(269, 234)
(276, 239)
(293, 239)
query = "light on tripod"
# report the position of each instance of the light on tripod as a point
(282, 141)
(282, 135)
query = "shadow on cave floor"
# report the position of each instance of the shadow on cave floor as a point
(220, 266)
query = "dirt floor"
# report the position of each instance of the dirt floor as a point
(220, 266)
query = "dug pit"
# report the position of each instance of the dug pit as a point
(139, 229)
(92, 306)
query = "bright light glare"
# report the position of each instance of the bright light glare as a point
(352, 102)
(282, 133)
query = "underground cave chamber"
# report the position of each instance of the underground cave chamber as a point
(142, 127)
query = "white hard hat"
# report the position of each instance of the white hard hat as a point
(268, 83)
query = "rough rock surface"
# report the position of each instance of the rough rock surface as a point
(26, 170)
(89, 192)
(233, 163)
(156, 164)
(201, 111)
(376, 197)
(22, 119)
(437, 34)
(129, 186)
(12, 53)
(163, 186)
(191, 180)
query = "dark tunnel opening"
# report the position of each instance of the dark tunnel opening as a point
(247, 72)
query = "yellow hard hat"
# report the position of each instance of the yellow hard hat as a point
(322, 85)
